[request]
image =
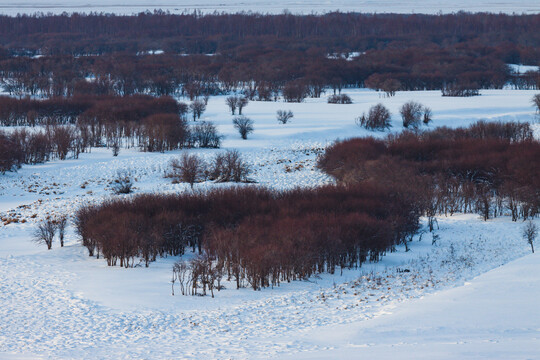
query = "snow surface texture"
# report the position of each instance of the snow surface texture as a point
(12, 7)
(64, 304)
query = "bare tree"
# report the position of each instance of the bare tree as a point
(530, 231)
(244, 125)
(284, 116)
(61, 223)
(189, 169)
(427, 115)
(231, 102)
(181, 270)
(536, 102)
(44, 234)
(197, 107)
(205, 135)
(241, 103)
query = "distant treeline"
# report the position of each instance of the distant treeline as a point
(263, 55)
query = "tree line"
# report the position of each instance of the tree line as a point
(65, 127)
(264, 56)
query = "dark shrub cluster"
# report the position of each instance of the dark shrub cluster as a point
(339, 99)
(32, 147)
(413, 114)
(255, 236)
(225, 167)
(489, 168)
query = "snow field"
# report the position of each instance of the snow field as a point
(64, 304)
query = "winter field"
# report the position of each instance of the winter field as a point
(11, 7)
(471, 294)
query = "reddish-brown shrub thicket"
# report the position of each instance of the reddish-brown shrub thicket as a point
(76, 124)
(258, 237)
(488, 168)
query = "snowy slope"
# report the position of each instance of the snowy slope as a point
(13, 7)
(494, 316)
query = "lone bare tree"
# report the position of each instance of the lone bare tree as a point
(231, 102)
(44, 234)
(530, 231)
(284, 116)
(61, 223)
(197, 107)
(241, 103)
(189, 169)
(244, 125)
(536, 102)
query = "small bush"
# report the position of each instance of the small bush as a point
(378, 118)
(123, 183)
(244, 125)
(189, 169)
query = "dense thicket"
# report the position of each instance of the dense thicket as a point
(255, 235)
(489, 168)
(69, 126)
(264, 54)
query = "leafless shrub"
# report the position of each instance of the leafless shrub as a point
(123, 183)
(378, 118)
(411, 114)
(189, 169)
(229, 167)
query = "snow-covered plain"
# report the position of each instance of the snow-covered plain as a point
(14, 7)
(64, 304)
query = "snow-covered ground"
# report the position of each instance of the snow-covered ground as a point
(64, 304)
(14, 7)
